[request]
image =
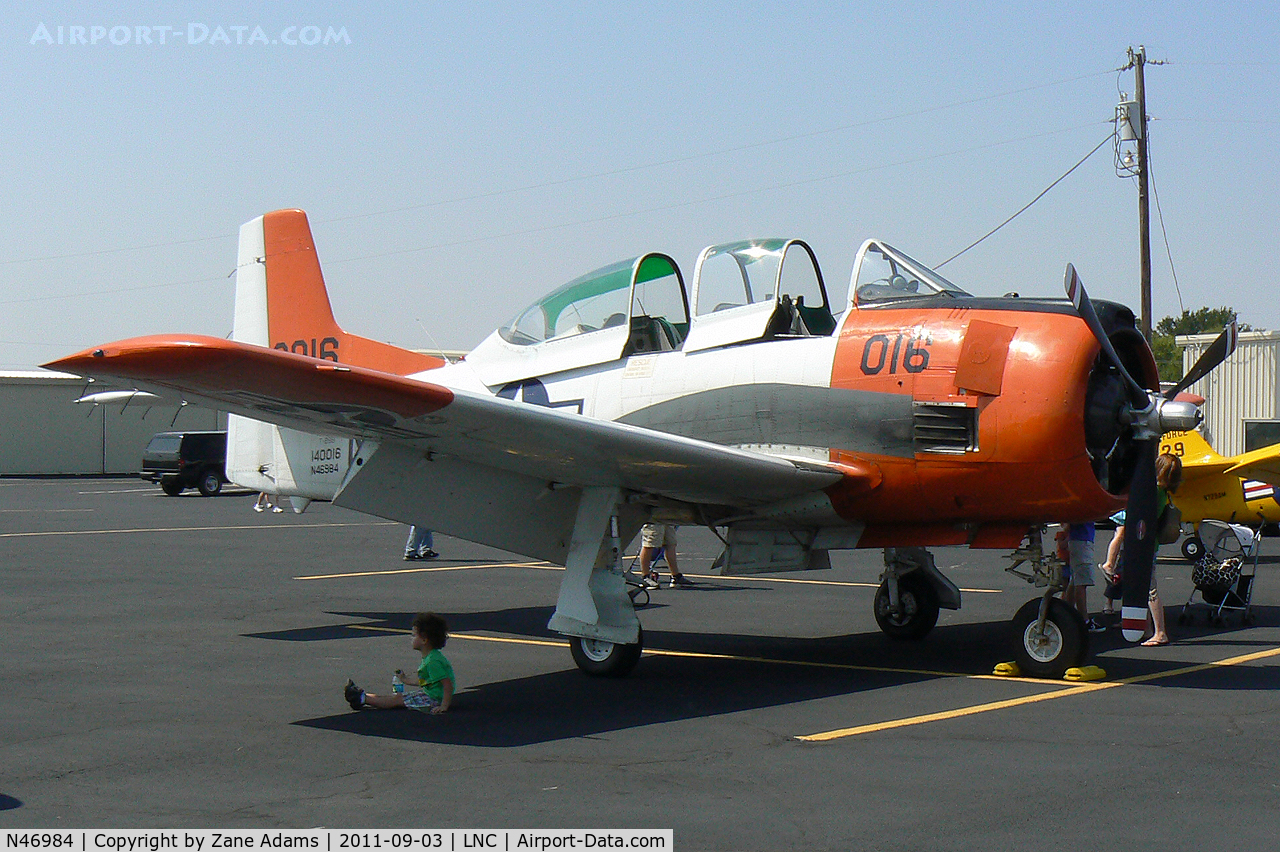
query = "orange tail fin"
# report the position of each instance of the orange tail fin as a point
(282, 302)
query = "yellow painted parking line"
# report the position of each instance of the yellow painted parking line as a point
(1060, 692)
(954, 714)
(465, 636)
(43, 511)
(736, 577)
(233, 527)
(736, 658)
(422, 570)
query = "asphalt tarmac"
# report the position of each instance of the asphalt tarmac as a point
(179, 662)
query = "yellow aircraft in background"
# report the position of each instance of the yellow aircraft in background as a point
(1241, 489)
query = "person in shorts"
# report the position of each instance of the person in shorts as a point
(654, 537)
(435, 674)
(1080, 558)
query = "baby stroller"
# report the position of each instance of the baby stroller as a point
(1224, 575)
(635, 588)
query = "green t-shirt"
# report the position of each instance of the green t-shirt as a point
(433, 671)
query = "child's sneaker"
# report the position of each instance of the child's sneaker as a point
(354, 695)
(1095, 626)
(649, 582)
(679, 581)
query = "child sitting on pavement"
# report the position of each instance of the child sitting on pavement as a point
(435, 674)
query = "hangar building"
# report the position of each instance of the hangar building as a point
(43, 432)
(1240, 395)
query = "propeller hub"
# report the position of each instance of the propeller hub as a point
(1178, 416)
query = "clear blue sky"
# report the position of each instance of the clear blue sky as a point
(458, 160)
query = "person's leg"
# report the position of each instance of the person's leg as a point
(383, 702)
(647, 575)
(1158, 634)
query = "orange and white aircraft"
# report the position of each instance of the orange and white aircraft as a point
(903, 415)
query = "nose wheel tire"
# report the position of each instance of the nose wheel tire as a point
(599, 658)
(1061, 644)
(918, 608)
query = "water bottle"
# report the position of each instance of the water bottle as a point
(397, 684)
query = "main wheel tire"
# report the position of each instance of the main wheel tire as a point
(1192, 548)
(919, 603)
(1061, 645)
(599, 658)
(171, 486)
(210, 483)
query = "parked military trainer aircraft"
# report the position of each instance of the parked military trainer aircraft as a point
(1240, 489)
(905, 415)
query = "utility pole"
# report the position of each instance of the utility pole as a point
(1136, 62)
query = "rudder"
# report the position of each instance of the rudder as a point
(282, 301)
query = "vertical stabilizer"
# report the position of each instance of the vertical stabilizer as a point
(1191, 447)
(282, 302)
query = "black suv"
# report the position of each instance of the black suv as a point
(179, 460)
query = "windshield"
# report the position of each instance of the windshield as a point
(884, 273)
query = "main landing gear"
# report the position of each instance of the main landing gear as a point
(1049, 636)
(594, 611)
(911, 592)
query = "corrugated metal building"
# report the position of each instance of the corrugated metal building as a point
(1240, 395)
(44, 432)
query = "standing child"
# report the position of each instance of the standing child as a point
(435, 673)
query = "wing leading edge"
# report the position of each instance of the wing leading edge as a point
(325, 397)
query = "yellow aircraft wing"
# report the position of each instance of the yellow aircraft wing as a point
(1262, 464)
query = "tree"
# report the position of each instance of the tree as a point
(1204, 320)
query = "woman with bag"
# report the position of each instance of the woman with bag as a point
(1168, 477)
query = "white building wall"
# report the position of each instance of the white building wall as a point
(1244, 387)
(43, 431)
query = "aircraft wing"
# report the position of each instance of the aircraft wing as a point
(326, 397)
(1262, 464)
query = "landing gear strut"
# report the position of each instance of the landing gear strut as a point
(912, 590)
(594, 610)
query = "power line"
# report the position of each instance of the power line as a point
(1028, 204)
(593, 176)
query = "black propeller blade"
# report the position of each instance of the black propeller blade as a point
(1139, 543)
(1217, 352)
(1084, 307)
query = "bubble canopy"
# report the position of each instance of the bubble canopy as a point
(602, 299)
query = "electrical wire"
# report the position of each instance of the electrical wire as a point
(594, 176)
(1160, 215)
(1042, 194)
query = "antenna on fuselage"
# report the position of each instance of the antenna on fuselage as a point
(432, 339)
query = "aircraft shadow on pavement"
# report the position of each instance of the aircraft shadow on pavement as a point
(8, 803)
(567, 703)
